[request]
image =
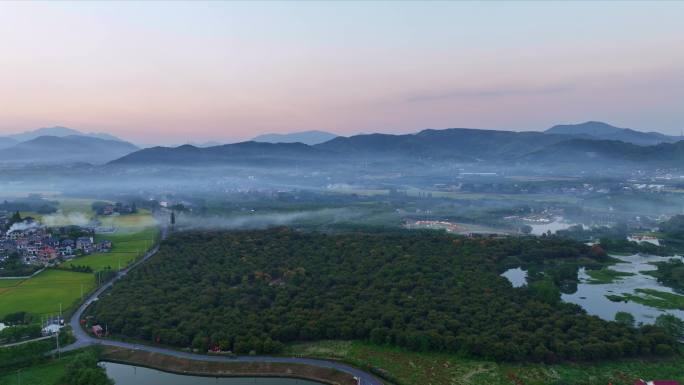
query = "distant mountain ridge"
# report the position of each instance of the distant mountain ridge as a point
(244, 153)
(607, 151)
(6, 142)
(306, 137)
(459, 145)
(600, 130)
(66, 149)
(59, 131)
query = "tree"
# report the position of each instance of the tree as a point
(624, 318)
(671, 324)
(83, 370)
(254, 290)
(15, 218)
(546, 291)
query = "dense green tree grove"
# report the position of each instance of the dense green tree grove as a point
(252, 291)
(671, 273)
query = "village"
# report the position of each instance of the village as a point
(39, 245)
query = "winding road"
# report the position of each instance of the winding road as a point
(83, 339)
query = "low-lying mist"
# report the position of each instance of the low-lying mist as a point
(188, 221)
(61, 219)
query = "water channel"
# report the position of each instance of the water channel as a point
(136, 375)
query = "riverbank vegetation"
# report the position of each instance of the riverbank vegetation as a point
(253, 291)
(605, 275)
(404, 367)
(670, 273)
(73, 368)
(653, 298)
(225, 368)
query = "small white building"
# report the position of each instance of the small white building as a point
(51, 329)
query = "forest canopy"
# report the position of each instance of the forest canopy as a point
(253, 291)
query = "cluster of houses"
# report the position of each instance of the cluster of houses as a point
(40, 245)
(118, 208)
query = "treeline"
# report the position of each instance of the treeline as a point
(33, 203)
(252, 291)
(613, 239)
(673, 231)
(30, 353)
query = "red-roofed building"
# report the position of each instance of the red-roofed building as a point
(97, 330)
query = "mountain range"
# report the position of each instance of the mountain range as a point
(600, 130)
(306, 137)
(571, 145)
(243, 153)
(60, 132)
(66, 149)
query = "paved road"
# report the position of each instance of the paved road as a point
(83, 339)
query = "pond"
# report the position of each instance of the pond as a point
(136, 375)
(517, 276)
(592, 297)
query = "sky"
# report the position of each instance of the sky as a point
(156, 72)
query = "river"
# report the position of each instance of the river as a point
(136, 375)
(592, 297)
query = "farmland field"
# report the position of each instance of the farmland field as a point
(5, 283)
(126, 247)
(43, 293)
(129, 222)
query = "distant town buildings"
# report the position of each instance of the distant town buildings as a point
(40, 245)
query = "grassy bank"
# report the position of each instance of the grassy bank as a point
(654, 298)
(225, 369)
(408, 368)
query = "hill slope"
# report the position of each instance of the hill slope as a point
(600, 130)
(245, 153)
(6, 142)
(457, 144)
(68, 149)
(604, 152)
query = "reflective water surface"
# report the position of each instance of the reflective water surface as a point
(136, 375)
(592, 297)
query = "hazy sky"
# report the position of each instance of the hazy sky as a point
(173, 72)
